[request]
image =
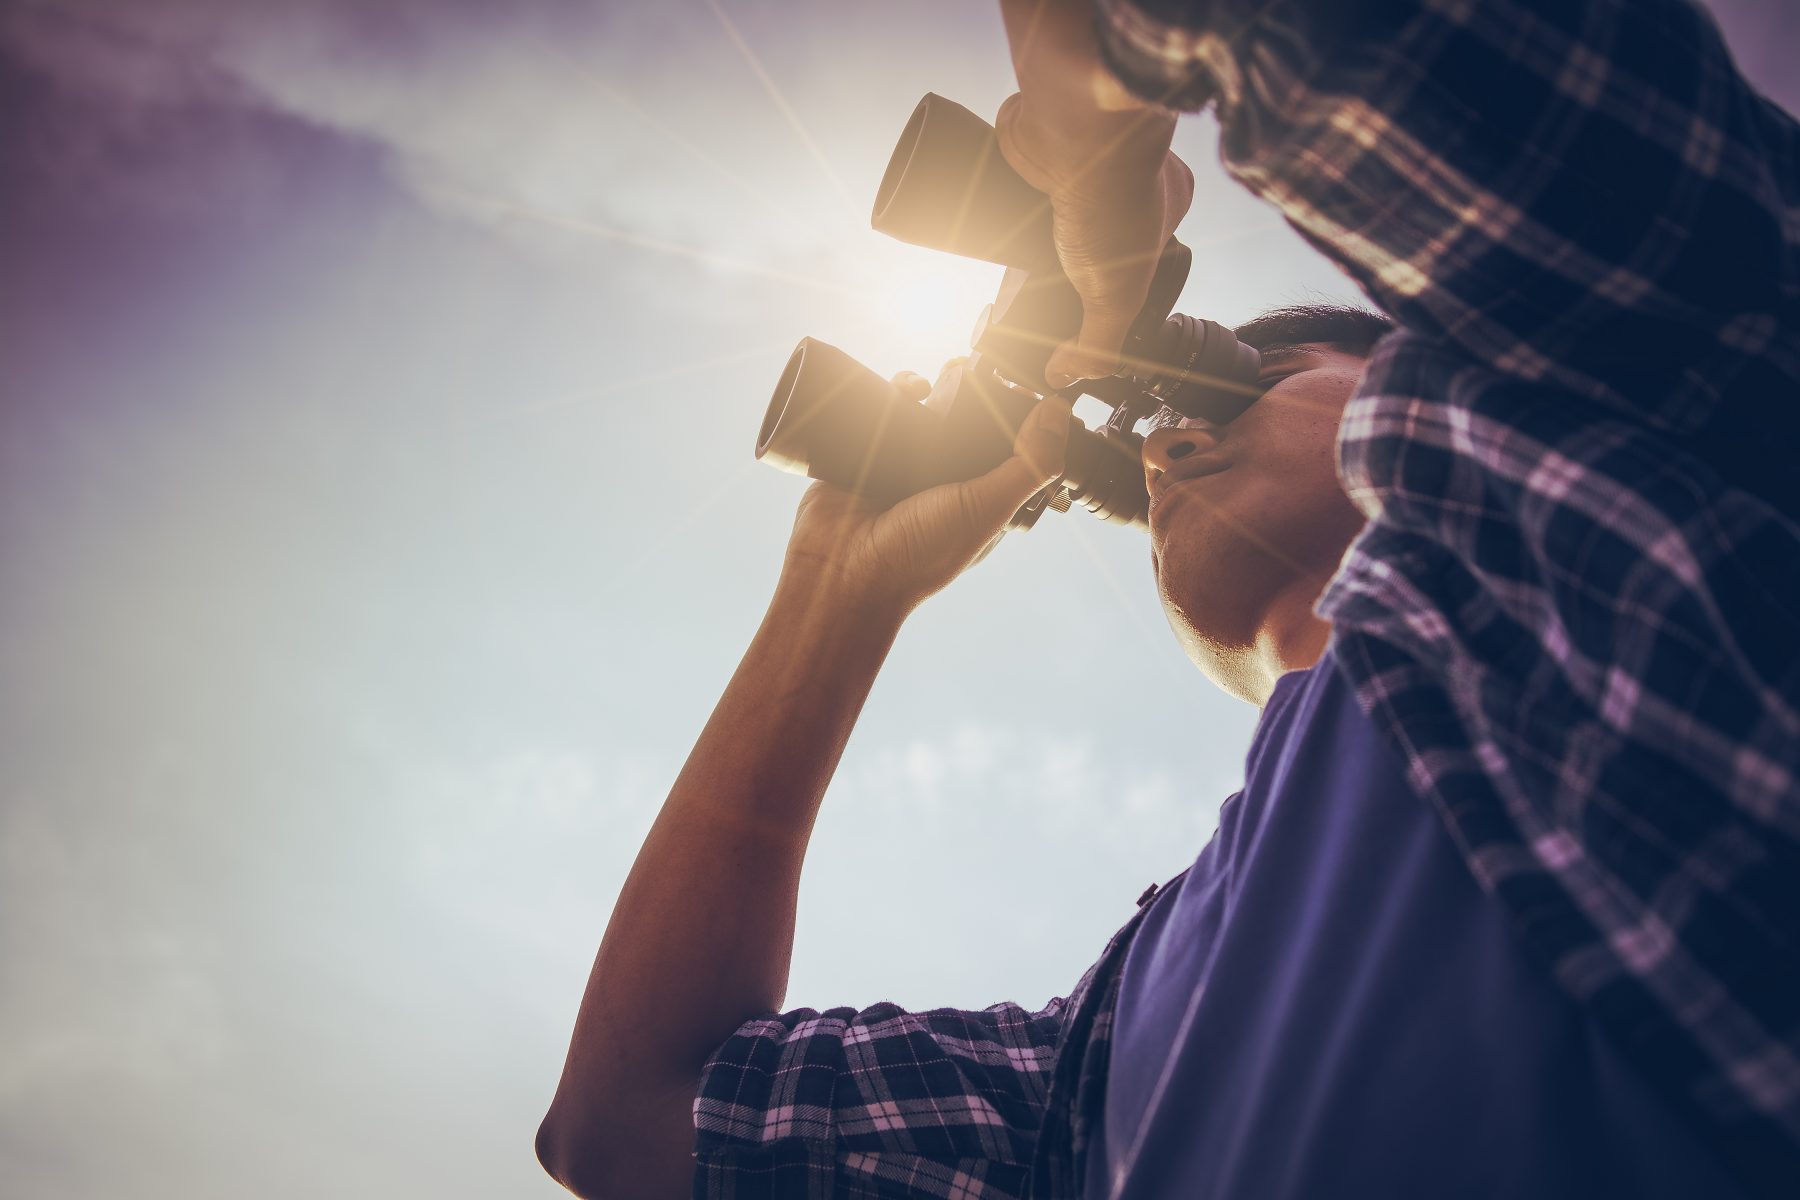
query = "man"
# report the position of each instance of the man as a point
(1509, 904)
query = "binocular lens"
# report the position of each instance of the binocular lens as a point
(834, 419)
(947, 188)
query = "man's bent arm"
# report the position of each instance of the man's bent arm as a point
(1584, 195)
(1573, 607)
(702, 934)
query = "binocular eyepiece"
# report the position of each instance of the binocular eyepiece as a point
(948, 188)
(834, 419)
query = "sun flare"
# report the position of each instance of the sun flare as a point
(920, 305)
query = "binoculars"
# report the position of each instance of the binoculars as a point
(948, 188)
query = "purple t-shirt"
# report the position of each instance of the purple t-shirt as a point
(1327, 1005)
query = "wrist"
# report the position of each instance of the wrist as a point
(821, 601)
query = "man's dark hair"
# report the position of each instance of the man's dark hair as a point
(1351, 330)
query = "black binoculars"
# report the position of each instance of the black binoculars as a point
(948, 188)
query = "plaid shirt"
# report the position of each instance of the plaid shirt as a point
(1575, 610)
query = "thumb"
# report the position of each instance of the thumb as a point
(1037, 459)
(1094, 352)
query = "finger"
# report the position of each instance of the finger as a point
(1094, 352)
(951, 371)
(1178, 190)
(1112, 296)
(1036, 461)
(912, 385)
(1043, 440)
(1008, 134)
(989, 547)
(943, 392)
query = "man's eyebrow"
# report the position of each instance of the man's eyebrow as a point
(1284, 354)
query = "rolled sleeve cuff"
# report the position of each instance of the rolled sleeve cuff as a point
(1172, 65)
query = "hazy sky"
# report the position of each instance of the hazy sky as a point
(379, 524)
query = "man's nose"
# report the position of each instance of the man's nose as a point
(1164, 447)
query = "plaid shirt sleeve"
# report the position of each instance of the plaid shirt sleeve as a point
(1576, 606)
(877, 1103)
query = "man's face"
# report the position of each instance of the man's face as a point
(1247, 521)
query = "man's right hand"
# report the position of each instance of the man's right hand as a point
(1102, 156)
(880, 562)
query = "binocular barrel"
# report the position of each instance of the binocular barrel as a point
(832, 418)
(947, 187)
(1196, 367)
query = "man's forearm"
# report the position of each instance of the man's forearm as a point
(702, 934)
(1580, 193)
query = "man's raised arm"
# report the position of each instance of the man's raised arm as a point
(702, 934)
(1586, 195)
(1574, 606)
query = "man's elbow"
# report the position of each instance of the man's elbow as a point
(622, 1148)
(577, 1163)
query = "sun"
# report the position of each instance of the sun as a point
(920, 306)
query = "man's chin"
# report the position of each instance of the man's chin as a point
(1179, 515)
(1210, 585)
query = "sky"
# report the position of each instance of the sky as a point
(379, 523)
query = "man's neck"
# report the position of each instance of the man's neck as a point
(1291, 638)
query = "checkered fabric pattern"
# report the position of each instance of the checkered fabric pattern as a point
(1575, 610)
(887, 1103)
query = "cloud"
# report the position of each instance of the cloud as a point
(234, 955)
(638, 148)
(983, 861)
(508, 847)
(69, 900)
(1073, 794)
(492, 113)
(559, 123)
